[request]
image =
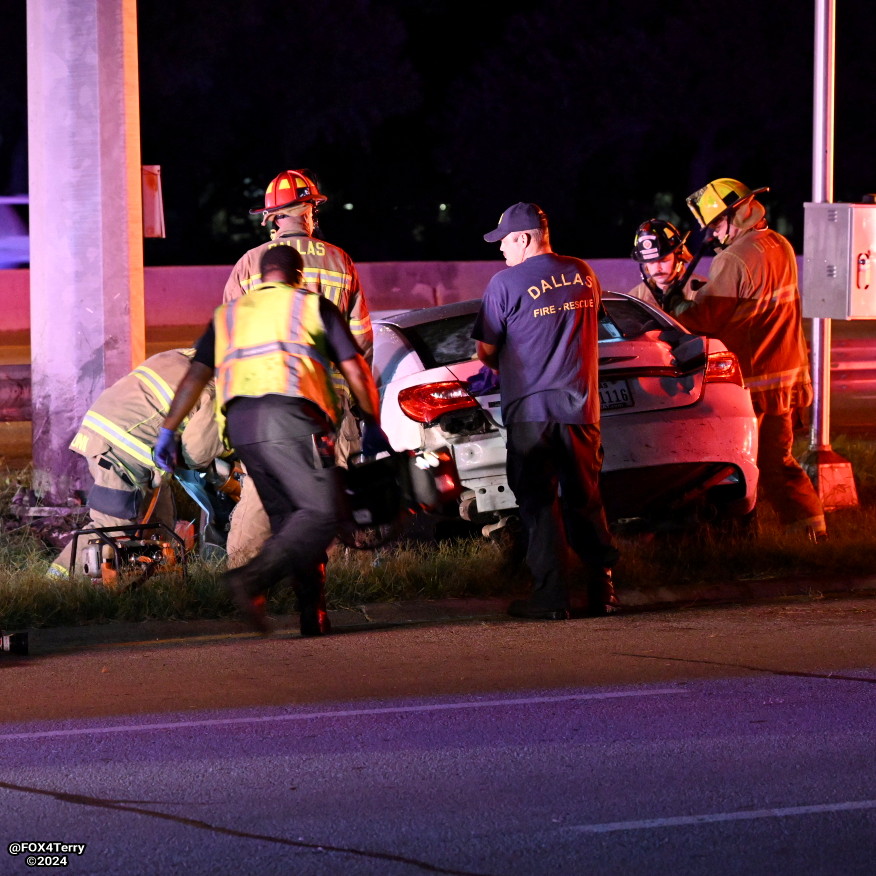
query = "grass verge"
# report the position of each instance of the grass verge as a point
(445, 569)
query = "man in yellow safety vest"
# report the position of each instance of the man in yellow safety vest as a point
(273, 351)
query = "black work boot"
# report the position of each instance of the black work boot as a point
(311, 605)
(601, 598)
(252, 606)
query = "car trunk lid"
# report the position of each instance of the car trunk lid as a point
(649, 373)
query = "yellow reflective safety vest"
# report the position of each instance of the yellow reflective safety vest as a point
(273, 342)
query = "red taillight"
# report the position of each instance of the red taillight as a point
(723, 367)
(428, 402)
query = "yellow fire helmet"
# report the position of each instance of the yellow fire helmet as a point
(713, 200)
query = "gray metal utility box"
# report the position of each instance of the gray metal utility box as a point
(839, 248)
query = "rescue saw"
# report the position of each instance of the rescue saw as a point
(118, 556)
(126, 556)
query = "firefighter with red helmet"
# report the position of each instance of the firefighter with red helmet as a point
(751, 302)
(662, 256)
(291, 201)
(290, 207)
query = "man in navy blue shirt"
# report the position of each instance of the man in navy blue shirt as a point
(538, 328)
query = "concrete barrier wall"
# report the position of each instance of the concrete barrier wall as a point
(187, 295)
(14, 300)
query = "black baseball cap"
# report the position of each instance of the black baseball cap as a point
(520, 217)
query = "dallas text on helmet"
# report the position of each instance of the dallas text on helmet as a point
(554, 283)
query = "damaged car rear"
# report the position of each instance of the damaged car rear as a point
(678, 428)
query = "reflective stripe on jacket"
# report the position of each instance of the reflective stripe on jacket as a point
(273, 342)
(127, 416)
(117, 438)
(752, 303)
(328, 270)
(162, 390)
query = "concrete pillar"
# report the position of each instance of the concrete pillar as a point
(86, 226)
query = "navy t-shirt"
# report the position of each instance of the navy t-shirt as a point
(543, 316)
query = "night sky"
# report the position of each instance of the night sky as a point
(605, 113)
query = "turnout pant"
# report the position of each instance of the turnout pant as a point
(784, 483)
(553, 470)
(250, 527)
(117, 483)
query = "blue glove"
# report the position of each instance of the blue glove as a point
(165, 452)
(374, 439)
(486, 380)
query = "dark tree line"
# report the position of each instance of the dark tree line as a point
(430, 117)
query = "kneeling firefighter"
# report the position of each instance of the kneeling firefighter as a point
(116, 438)
(272, 352)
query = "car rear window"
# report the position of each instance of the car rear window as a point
(448, 341)
(444, 342)
(626, 319)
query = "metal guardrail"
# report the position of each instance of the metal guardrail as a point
(15, 397)
(853, 386)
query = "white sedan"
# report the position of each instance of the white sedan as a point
(678, 428)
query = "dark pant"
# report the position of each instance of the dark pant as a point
(298, 483)
(553, 470)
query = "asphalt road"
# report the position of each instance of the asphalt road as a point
(711, 741)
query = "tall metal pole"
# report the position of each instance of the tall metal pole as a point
(830, 473)
(822, 192)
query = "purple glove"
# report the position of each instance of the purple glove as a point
(374, 439)
(166, 453)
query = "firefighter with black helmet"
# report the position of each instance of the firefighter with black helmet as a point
(290, 207)
(662, 256)
(751, 302)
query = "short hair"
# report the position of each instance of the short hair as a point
(286, 259)
(541, 236)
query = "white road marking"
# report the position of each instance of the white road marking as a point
(341, 713)
(745, 815)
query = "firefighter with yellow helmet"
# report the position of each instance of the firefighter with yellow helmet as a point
(751, 302)
(662, 256)
(290, 207)
(116, 438)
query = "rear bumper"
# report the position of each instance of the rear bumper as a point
(651, 461)
(720, 427)
(480, 461)
(691, 448)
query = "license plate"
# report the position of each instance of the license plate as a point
(614, 394)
